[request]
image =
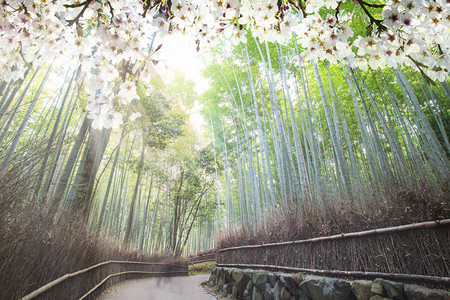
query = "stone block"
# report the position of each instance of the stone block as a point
(234, 293)
(227, 275)
(248, 291)
(393, 290)
(288, 281)
(240, 280)
(302, 295)
(213, 278)
(362, 289)
(378, 297)
(417, 292)
(225, 290)
(277, 290)
(260, 278)
(273, 277)
(268, 289)
(322, 288)
(257, 295)
(285, 294)
(211, 283)
(248, 294)
(220, 284)
(268, 292)
(298, 277)
(377, 288)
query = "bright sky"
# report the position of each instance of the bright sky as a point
(179, 54)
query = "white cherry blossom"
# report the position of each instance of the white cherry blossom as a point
(127, 92)
(108, 38)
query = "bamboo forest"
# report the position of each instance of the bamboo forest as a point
(302, 119)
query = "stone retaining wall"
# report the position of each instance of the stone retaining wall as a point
(261, 285)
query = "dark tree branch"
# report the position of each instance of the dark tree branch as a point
(420, 66)
(379, 23)
(111, 9)
(337, 11)
(85, 5)
(371, 4)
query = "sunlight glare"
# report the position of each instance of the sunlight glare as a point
(178, 54)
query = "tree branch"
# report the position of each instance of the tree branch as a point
(77, 18)
(379, 23)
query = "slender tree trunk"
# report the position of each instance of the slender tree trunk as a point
(129, 225)
(70, 164)
(94, 153)
(339, 155)
(19, 132)
(43, 168)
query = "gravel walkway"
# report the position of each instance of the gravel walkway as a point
(175, 288)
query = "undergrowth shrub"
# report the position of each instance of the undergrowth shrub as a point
(421, 251)
(292, 221)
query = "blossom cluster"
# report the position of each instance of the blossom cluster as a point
(105, 46)
(108, 39)
(416, 34)
(206, 19)
(325, 39)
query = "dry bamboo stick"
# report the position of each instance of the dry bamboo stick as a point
(394, 276)
(66, 276)
(423, 225)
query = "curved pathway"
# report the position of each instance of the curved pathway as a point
(166, 288)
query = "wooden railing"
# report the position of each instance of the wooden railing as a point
(61, 279)
(203, 258)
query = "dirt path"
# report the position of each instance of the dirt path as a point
(175, 288)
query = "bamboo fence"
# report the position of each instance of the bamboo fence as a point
(202, 258)
(414, 252)
(422, 225)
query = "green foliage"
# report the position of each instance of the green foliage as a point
(159, 123)
(201, 268)
(183, 89)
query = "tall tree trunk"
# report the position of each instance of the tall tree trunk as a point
(19, 132)
(70, 164)
(43, 168)
(82, 202)
(129, 225)
(334, 140)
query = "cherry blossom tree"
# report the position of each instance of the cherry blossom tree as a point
(109, 40)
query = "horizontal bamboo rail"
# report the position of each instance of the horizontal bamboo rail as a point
(118, 274)
(359, 274)
(203, 258)
(202, 261)
(423, 225)
(67, 276)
